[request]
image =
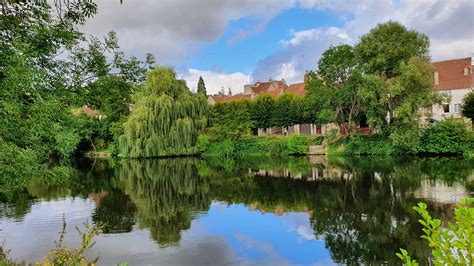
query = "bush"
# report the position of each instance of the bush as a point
(256, 146)
(372, 144)
(202, 143)
(297, 144)
(449, 136)
(451, 245)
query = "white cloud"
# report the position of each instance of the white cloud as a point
(288, 72)
(215, 80)
(175, 30)
(449, 25)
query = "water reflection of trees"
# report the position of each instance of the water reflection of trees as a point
(360, 206)
(167, 193)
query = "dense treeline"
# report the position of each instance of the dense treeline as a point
(383, 82)
(49, 70)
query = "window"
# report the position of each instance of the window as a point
(436, 77)
(447, 93)
(466, 71)
(446, 108)
(457, 107)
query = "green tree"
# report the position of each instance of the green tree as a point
(262, 111)
(334, 87)
(111, 95)
(468, 107)
(231, 120)
(384, 48)
(287, 110)
(201, 88)
(411, 92)
(166, 118)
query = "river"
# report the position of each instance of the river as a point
(272, 211)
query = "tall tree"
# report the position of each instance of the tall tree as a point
(333, 89)
(262, 111)
(382, 50)
(287, 110)
(468, 107)
(165, 120)
(201, 87)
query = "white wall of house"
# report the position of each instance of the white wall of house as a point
(451, 109)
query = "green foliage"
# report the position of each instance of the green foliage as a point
(336, 64)
(406, 137)
(287, 111)
(468, 105)
(201, 87)
(333, 91)
(449, 136)
(230, 120)
(452, 245)
(372, 144)
(374, 101)
(111, 95)
(64, 255)
(262, 111)
(318, 101)
(259, 146)
(166, 118)
(407, 260)
(382, 50)
(297, 144)
(18, 167)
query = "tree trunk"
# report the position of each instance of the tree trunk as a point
(390, 109)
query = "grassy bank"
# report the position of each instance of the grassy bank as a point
(256, 146)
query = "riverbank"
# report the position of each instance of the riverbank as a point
(257, 146)
(441, 139)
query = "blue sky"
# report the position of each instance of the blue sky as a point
(243, 55)
(230, 43)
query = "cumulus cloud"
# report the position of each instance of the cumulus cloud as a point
(215, 80)
(175, 30)
(448, 24)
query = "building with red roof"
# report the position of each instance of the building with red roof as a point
(274, 88)
(452, 78)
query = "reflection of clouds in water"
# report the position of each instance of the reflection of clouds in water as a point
(299, 223)
(323, 263)
(306, 232)
(33, 236)
(270, 256)
(219, 206)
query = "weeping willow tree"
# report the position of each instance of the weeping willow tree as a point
(166, 118)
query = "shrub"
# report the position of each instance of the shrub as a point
(372, 144)
(449, 136)
(297, 144)
(64, 255)
(451, 245)
(202, 143)
(257, 146)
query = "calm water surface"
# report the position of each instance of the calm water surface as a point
(277, 211)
